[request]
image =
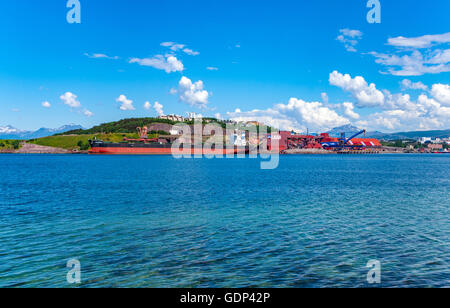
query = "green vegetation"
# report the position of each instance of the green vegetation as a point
(127, 126)
(9, 144)
(400, 143)
(119, 127)
(111, 132)
(81, 142)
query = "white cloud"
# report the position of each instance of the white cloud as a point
(190, 52)
(70, 100)
(126, 104)
(296, 115)
(397, 101)
(441, 92)
(415, 64)
(46, 105)
(409, 60)
(168, 63)
(158, 108)
(425, 41)
(367, 95)
(176, 47)
(424, 114)
(212, 68)
(439, 56)
(147, 105)
(193, 93)
(173, 46)
(349, 110)
(324, 97)
(408, 84)
(100, 56)
(87, 113)
(349, 38)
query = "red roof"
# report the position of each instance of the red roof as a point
(368, 142)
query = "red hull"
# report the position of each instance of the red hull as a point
(159, 151)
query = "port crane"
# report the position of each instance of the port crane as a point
(344, 142)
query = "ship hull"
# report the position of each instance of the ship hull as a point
(156, 149)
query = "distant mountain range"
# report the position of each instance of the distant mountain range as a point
(9, 132)
(349, 130)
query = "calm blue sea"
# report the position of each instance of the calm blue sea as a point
(153, 221)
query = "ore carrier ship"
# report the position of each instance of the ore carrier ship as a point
(156, 146)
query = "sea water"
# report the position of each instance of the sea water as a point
(155, 221)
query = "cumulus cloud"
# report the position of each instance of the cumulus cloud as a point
(441, 92)
(193, 93)
(70, 100)
(367, 95)
(295, 115)
(400, 111)
(147, 105)
(126, 104)
(100, 56)
(408, 84)
(168, 63)
(388, 112)
(349, 38)
(424, 114)
(46, 105)
(158, 108)
(349, 110)
(87, 113)
(397, 101)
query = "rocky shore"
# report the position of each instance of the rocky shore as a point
(29, 148)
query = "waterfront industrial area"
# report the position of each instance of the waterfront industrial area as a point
(157, 136)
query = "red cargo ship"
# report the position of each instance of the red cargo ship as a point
(155, 148)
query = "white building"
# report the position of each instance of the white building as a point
(425, 140)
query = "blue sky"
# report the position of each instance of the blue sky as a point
(268, 60)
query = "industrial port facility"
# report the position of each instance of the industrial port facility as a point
(283, 142)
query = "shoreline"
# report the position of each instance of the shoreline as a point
(30, 148)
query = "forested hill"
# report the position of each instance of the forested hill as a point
(123, 126)
(129, 126)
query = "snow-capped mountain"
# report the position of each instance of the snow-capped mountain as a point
(10, 132)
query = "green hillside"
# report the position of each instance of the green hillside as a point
(9, 144)
(119, 127)
(80, 142)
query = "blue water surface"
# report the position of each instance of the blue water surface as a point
(154, 221)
